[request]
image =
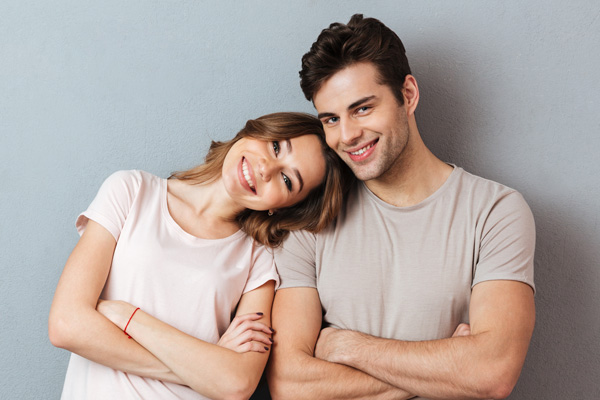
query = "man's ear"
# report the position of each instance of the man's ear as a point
(410, 91)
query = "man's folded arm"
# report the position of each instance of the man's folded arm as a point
(485, 364)
(294, 372)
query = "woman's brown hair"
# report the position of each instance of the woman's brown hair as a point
(315, 212)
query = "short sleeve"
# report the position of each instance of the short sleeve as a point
(296, 260)
(262, 269)
(507, 243)
(111, 205)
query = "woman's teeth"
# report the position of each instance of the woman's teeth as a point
(247, 174)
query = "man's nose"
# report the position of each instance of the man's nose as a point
(350, 131)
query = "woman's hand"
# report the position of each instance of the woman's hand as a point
(117, 311)
(246, 333)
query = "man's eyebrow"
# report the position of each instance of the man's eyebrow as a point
(360, 101)
(350, 107)
(325, 115)
(296, 172)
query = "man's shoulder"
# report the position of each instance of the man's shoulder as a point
(467, 183)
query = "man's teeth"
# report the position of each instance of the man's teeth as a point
(247, 174)
(359, 152)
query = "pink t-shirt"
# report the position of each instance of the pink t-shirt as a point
(190, 283)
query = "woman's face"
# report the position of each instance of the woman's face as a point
(268, 175)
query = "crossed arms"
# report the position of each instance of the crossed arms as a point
(230, 369)
(340, 364)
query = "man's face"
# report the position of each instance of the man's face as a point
(363, 121)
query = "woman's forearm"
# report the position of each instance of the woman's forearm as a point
(210, 369)
(89, 334)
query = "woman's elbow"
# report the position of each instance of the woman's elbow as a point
(60, 330)
(241, 389)
(232, 388)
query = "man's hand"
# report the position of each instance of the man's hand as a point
(329, 346)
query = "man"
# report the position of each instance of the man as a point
(421, 248)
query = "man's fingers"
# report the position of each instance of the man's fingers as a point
(462, 330)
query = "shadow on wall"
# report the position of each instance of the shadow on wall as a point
(563, 361)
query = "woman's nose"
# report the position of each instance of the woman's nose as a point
(266, 168)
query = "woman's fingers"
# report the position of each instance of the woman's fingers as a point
(253, 346)
(247, 322)
(239, 319)
(255, 336)
(246, 333)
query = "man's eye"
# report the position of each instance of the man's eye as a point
(363, 109)
(276, 147)
(287, 182)
(332, 120)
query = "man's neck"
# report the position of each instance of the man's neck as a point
(415, 176)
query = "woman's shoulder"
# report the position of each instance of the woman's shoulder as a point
(130, 181)
(132, 176)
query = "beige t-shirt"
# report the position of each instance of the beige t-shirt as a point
(406, 272)
(190, 283)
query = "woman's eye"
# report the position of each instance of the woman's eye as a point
(276, 147)
(287, 182)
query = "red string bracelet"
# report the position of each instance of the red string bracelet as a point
(125, 330)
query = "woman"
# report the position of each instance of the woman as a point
(187, 251)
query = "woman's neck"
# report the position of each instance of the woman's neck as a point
(203, 210)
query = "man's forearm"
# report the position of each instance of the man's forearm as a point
(485, 364)
(432, 369)
(304, 377)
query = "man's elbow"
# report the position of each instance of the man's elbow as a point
(500, 382)
(280, 388)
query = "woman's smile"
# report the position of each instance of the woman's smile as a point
(246, 175)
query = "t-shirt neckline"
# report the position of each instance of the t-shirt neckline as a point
(180, 231)
(428, 200)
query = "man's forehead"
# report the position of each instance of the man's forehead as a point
(348, 86)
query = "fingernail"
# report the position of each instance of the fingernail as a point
(259, 313)
(266, 348)
(270, 340)
(272, 330)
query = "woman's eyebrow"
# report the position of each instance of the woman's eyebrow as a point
(299, 179)
(288, 144)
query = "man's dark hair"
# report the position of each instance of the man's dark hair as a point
(361, 40)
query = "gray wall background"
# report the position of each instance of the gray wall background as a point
(509, 90)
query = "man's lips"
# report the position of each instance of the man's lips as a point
(362, 153)
(246, 176)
